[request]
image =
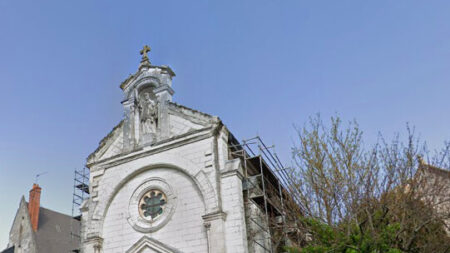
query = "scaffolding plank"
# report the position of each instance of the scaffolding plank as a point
(83, 187)
(272, 208)
(256, 166)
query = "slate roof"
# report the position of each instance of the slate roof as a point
(9, 250)
(54, 233)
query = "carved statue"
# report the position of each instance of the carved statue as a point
(148, 113)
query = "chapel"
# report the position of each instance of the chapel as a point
(169, 178)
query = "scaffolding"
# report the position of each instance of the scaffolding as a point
(272, 204)
(80, 194)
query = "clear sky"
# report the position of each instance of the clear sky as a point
(261, 66)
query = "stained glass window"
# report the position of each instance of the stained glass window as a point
(152, 204)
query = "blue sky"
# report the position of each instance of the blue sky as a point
(261, 66)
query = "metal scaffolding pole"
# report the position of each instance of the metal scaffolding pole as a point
(268, 187)
(80, 193)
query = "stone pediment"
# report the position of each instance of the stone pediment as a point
(181, 121)
(150, 245)
(109, 146)
(154, 72)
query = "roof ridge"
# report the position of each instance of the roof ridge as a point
(190, 109)
(436, 170)
(51, 210)
(46, 208)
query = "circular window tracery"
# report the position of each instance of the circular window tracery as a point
(152, 204)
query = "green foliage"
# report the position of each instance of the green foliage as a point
(326, 238)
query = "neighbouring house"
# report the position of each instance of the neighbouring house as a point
(36, 229)
(435, 185)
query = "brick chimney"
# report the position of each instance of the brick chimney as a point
(33, 206)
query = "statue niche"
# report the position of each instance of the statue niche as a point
(148, 115)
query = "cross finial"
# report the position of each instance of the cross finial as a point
(145, 63)
(144, 51)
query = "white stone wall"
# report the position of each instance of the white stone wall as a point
(21, 234)
(185, 229)
(233, 206)
(179, 125)
(188, 168)
(115, 148)
(209, 214)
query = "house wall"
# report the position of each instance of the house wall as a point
(21, 234)
(436, 193)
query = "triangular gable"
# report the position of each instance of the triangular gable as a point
(136, 76)
(182, 120)
(108, 145)
(194, 115)
(22, 224)
(147, 244)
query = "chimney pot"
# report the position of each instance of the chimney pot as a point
(34, 205)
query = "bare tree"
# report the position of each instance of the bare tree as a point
(372, 198)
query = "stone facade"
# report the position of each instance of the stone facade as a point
(179, 153)
(21, 235)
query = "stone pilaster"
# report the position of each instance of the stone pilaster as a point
(92, 244)
(164, 95)
(129, 134)
(233, 205)
(215, 229)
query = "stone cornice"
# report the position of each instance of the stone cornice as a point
(133, 77)
(157, 147)
(214, 216)
(105, 142)
(164, 88)
(232, 168)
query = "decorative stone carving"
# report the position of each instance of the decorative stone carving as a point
(146, 94)
(152, 204)
(142, 223)
(148, 110)
(147, 244)
(148, 116)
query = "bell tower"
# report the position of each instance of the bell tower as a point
(146, 97)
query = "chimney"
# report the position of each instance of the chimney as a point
(33, 206)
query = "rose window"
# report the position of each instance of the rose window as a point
(152, 204)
